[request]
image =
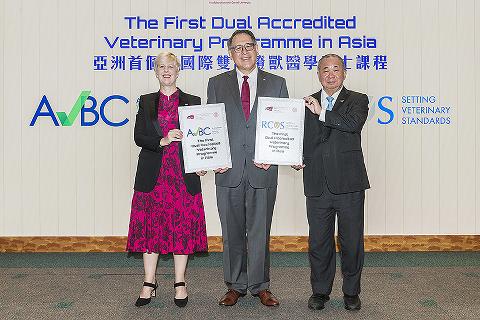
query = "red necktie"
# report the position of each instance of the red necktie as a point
(245, 96)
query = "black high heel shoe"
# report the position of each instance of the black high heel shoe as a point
(180, 302)
(143, 301)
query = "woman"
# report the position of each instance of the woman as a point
(167, 213)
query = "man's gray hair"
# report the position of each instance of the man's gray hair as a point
(332, 55)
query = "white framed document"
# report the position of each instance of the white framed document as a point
(205, 143)
(279, 136)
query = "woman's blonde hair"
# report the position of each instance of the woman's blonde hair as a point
(166, 56)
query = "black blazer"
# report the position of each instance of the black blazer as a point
(332, 150)
(147, 135)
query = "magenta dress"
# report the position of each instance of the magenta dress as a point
(168, 219)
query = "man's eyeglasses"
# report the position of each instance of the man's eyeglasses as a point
(247, 46)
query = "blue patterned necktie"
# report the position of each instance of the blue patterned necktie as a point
(330, 104)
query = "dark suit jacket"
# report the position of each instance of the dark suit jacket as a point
(147, 135)
(241, 133)
(332, 150)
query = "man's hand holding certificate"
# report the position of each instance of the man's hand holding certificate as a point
(205, 143)
(279, 136)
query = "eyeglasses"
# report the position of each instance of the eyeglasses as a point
(247, 46)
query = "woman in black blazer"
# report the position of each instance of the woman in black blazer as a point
(167, 213)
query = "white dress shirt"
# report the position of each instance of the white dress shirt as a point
(324, 102)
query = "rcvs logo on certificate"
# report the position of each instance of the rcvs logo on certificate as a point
(279, 137)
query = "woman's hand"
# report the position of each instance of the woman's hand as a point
(173, 135)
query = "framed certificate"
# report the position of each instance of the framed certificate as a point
(279, 137)
(205, 143)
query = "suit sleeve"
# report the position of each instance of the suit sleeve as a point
(193, 100)
(197, 101)
(352, 120)
(283, 89)
(211, 95)
(142, 139)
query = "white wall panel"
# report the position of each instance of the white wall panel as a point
(374, 138)
(67, 93)
(412, 138)
(103, 159)
(85, 140)
(74, 180)
(49, 134)
(2, 118)
(476, 63)
(12, 97)
(466, 116)
(448, 152)
(122, 137)
(430, 62)
(30, 145)
(394, 148)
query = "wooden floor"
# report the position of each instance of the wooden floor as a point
(277, 243)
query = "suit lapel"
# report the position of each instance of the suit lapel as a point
(182, 99)
(232, 84)
(262, 83)
(341, 99)
(153, 112)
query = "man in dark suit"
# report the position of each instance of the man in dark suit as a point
(245, 193)
(335, 180)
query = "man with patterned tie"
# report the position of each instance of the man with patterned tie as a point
(246, 192)
(335, 180)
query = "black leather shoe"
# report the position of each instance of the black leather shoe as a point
(144, 301)
(180, 302)
(317, 301)
(352, 302)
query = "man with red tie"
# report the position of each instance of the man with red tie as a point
(246, 192)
